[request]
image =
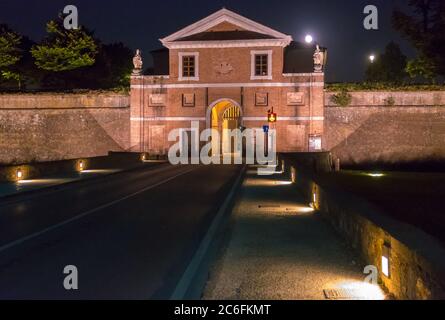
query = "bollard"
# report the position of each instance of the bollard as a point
(293, 175)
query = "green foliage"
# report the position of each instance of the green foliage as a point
(379, 86)
(388, 67)
(113, 66)
(64, 50)
(10, 41)
(64, 60)
(421, 67)
(390, 101)
(10, 54)
(424, 27)
(342, 99)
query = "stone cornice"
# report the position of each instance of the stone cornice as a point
(228, 44)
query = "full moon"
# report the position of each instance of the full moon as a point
(308, 39)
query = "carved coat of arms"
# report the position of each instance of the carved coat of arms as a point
(223, 68)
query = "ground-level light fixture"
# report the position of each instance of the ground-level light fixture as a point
(81, 165)
(293, 175)
(313, 204)
(386, 253)
(19, 174)
(308, 38)
(376, 175)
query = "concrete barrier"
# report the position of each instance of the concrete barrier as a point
(416, 260)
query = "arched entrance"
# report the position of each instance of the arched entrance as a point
(224, 115)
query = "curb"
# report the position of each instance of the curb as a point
(56, 187)
(194, 278)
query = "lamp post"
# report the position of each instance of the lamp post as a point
(308, 39)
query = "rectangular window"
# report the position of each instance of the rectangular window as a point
(188, 66)
(261, 65)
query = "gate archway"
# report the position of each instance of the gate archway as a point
(224, 115)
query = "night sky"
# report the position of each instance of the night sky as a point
(337, 25)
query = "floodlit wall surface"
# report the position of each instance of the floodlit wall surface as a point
(370, 130)
(46, 127)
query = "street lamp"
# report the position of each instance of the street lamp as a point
(308, 39)
(372, 58)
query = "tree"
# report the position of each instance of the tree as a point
(111, 69)
(10, 53)
(389, 67)
(425, 29)
(113, 66)
(421, 67)
(64, 50)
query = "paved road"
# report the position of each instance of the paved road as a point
(131, 235)
(277, 248)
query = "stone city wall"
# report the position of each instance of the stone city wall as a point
(370, 131)
(47, 127)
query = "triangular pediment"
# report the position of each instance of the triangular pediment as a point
(224, 27)
(227, 23)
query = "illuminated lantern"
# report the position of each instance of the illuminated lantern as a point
(271, 116)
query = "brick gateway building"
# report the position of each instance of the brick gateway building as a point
(227, 71)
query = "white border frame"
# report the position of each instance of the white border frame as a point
(253, 53)
(186, 54)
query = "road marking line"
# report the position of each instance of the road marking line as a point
(79, 216)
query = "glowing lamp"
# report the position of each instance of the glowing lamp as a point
(81, 165)
(313, 204)
(19, 174)
(271, 116)
(376, 175)
(386, 252)
(308, 38)
(372, 58)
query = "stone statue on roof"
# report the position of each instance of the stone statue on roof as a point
(318, 59)
(137, 63)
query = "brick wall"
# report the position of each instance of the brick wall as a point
(45, 127)
(370, 131)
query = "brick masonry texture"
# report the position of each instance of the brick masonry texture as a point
(45, 127)
(370, 131)
(292, 135)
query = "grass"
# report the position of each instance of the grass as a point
(416, 198)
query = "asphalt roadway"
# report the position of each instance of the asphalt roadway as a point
(130, 235)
